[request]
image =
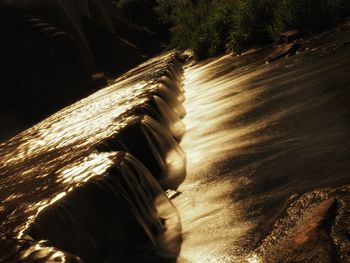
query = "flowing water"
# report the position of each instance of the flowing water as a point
(67, 184)
(266, 177)
(258, 137)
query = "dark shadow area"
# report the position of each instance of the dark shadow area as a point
(96, 221)
(42, 70)
(63, 199)
(55, 53)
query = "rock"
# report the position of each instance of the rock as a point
(315, 228)
(284, 50)
(341, 229)
(289, 36)
(345, 43)
(187, 56)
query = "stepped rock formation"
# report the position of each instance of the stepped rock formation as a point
(52, 53)
(75, 187)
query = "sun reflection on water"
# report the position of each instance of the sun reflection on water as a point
(42, 164)
(212, 221)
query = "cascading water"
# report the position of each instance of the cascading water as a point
(170, 98)
(155, 107)
(178, 92)
(150, 143)
(69, 191)
(266, 172)
(100, 220)
(268, 156)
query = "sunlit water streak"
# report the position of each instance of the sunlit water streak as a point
(43, 166)
(211, 220)
(257, 135)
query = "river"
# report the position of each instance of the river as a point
(260, 175)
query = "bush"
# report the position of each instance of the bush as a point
(187, 19)
(309, 15)
(250, 18)
(214, 32)
(211, 27)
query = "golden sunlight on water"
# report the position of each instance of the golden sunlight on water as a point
(75, 174)
(42, 166)
(258, 136)
(211, 220)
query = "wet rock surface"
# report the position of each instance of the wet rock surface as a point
(79, 197)
(284, 50)
(290, 36)
(52, 52)
(267, 165)
(315, 229)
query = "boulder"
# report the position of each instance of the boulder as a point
(284, 50)
(289, 36)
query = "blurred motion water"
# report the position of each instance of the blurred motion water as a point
(258, 137)
(266, 177)
(64, 195)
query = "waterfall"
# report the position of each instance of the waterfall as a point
(91, 179)
(108, 214)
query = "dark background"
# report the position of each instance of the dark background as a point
(55, 53)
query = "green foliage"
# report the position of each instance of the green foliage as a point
(310, 15)
(187, 19)
(250, 18)
(211, 27)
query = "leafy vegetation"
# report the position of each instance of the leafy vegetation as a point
(309, 15)
(210, 27)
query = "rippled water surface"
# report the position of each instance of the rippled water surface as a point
(258, 137)
(42, 166)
